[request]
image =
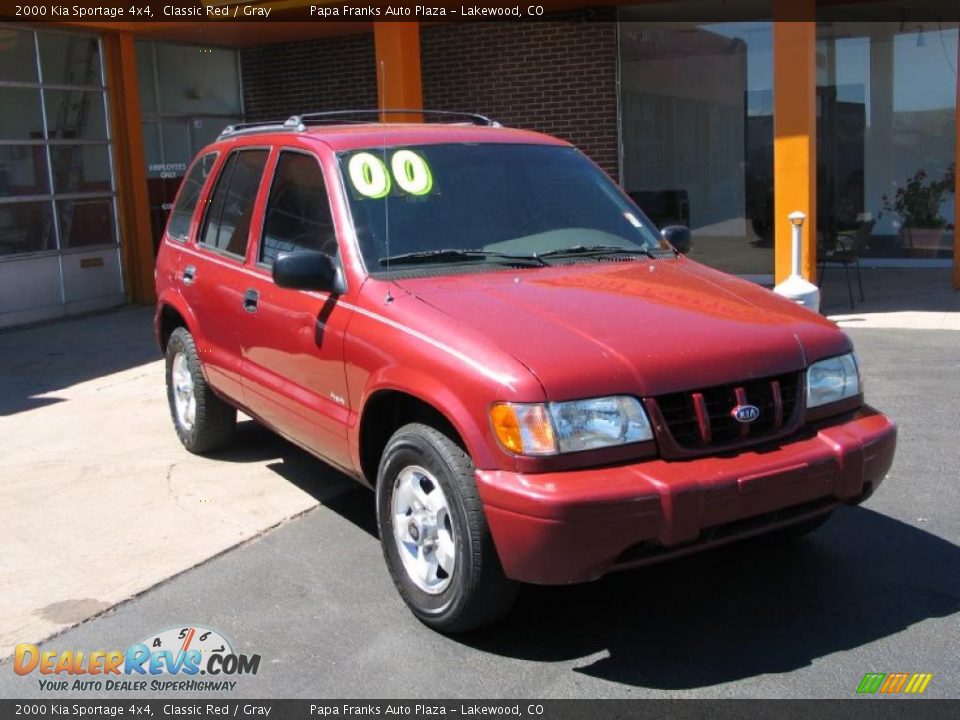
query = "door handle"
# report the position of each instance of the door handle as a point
(189, 274)
(250, 300)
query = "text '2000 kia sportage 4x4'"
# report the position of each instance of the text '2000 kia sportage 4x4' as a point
(479, 324)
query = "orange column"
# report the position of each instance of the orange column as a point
(794, 133)
(956, 184)
(131, 167)
(397, 47)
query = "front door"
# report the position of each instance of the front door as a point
(292, 340)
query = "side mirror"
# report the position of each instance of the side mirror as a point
(308, 270)
(679, 236)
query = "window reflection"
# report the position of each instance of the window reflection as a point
(64, 157)
(81, 168)
(75, 114)
(18, 55)
(26, 227)
(85, 222)
(23, 170)
(698, 134)
(21, 118)
(70, 59)
(887, 128)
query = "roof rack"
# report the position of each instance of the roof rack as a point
(337, 116)
(299, 123)
(261, 126)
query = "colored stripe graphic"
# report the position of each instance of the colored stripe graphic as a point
(893, 683)
(870, 683)
(918, 683)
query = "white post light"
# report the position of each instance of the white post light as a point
(795, 287)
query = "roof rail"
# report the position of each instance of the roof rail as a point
(338, 116)
(261, 126)
(299, 123)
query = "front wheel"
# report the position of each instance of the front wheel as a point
(434, 533)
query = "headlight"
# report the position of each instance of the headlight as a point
(547, 429)
(833, 379)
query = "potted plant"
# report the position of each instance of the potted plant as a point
(917, 205)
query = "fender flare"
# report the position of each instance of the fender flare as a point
(173, 299)
(437, 395)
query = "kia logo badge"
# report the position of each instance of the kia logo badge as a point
(745, 413)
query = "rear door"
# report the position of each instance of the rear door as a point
(213, 269)
(293, 340)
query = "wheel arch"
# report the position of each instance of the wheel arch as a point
(172, 313)
(387, 409)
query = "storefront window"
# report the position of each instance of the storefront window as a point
(697, 134)
(85, 222)
(184, 109)
(18, 55)
(26, 227)
(53, 127)
(886, 136)
(21, 118)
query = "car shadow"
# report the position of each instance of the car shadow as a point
(753, 608)
(327, 485)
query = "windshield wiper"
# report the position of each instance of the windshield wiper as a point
(595, 250)
(411, 258)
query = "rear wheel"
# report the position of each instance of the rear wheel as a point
(434, 533)
(202, 420)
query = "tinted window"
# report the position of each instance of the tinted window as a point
(179, 225)
(227, 224)
(298, 213)
(519, 199)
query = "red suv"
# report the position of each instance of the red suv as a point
(476, 322)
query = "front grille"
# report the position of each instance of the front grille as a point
(704, 418)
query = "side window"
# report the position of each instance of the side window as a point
(178, 226)
(298, 212)
(226, 225)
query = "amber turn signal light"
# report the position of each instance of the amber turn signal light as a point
(524, 429)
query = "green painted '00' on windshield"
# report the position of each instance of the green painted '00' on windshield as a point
(369, 177)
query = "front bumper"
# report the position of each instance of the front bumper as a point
(565, 527)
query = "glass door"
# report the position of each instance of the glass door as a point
(184, 108)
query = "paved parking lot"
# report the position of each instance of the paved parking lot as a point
(99, 504)
(99, 501)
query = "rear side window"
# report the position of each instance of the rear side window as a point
(226, 226)
(298, 213)
(179, 225)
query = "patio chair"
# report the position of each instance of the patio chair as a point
(845, 250)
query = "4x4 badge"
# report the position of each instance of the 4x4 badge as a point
(745, 413)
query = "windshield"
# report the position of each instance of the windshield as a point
(492, 200)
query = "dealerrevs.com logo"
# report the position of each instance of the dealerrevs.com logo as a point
(174, 659)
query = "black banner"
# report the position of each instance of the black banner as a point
(364, 11)
(200, 709)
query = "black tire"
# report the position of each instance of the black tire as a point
(478, 593)
(214, 420)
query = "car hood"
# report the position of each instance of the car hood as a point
(643, 327)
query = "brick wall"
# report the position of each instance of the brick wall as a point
(329, 74)
(557, 77)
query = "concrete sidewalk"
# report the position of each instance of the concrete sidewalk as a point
(908, 299)
(98, 499)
